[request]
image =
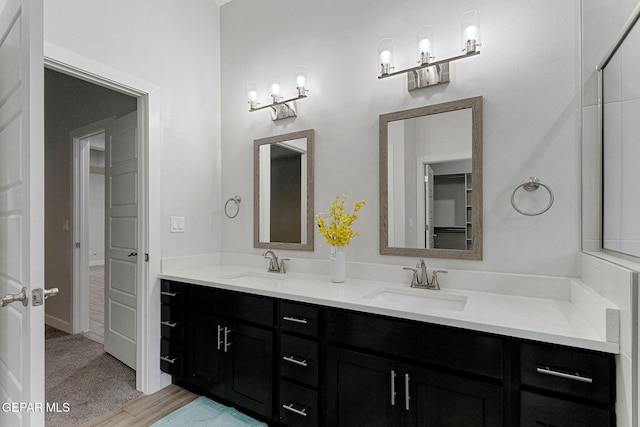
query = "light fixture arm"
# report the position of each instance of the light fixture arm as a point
(274, 104)
(281, 109)
(430, 64)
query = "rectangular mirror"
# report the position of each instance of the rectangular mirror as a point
(283, 191)
(619, 103)
(431, 181)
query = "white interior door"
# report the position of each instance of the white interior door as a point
(21, 211)
(122, 263)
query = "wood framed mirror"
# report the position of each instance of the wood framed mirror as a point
(431, 181)
(283, 181)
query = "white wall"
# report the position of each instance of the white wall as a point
(528, 74)
(174, 46)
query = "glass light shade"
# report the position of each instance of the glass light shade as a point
(424, 39)
(470, 23)
(252, 94)
(301, 80)
(385, 56)
(275, 85)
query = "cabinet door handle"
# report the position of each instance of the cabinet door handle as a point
(169, 324)
(220, 341)
(290, 407)
(168, 294)
(547, 371)
(293, 359)
(227, 344)
(393, 388)
(407, 397)
(295, 319)
(168, 359)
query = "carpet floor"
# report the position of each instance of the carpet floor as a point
(80, 374)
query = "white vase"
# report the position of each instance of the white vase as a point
(338, 264)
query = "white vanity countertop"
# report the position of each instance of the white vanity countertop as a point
(584, 320)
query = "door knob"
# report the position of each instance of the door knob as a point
(9, 298)
(133, 254)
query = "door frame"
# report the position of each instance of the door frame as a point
(149, 378)
(81, 172)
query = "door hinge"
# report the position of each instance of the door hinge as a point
(146, 257)
(77, 245)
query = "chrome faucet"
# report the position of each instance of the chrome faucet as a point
(274, 265)
(421, 279)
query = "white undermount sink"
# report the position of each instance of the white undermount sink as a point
(256, 278)
(419, 298)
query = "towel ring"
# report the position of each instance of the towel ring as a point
(532, 184)
(236, 200)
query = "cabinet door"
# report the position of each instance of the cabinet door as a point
(360, 390)
(443, 400)
(250, 354)
(206, 364)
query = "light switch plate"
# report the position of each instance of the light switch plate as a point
(177, 224)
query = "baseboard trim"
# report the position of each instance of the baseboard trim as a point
(57, 323)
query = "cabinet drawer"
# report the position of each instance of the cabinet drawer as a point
(299, 359)
(172, 330)
(574, 372)
(171, 313)
(458, 349)
(299, 318)
(172, 292)
(537, 410)
(232, 305)
(298, 405)
(171, 358)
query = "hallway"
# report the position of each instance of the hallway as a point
(82, 379)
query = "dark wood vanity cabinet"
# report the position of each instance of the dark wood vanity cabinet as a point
(228, 348)
(301, 365)
(231, 360)
(565, 387)
(378, 375)
(299, 362)
(172, 327)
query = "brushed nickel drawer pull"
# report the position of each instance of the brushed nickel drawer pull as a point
(220, 341)
(547, 371)
(290, 407)
(169, 324)
(294, 360)
(168, 360)
(407, 396)
(168, 294)
(227, 342)
(295, 319)
(393, 388)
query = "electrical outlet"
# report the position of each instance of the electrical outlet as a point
(177, 224)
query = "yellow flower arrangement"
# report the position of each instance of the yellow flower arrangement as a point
(337, 228)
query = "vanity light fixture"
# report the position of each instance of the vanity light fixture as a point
(430, 72)
(280, 108)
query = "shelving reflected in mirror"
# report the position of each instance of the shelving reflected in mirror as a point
(431, 181)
